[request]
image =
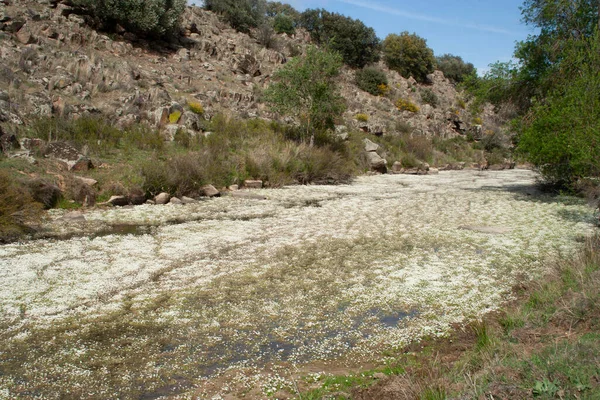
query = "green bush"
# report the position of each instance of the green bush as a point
(146, 17)
(454, 68)
(306, 87)
(284, 24)
(370, 80)
(357, 43)
(242, 15)
(409, 55)
(429, 97)
(362, 117)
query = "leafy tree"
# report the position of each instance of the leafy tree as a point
(561, 133)
(242, 15)
(357, 43)
(275, 8)
(409, 55)
(146, 17)
(371, 80)
(306, 87)
(454, 68)
(283, 23)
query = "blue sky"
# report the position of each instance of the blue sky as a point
(480, 31)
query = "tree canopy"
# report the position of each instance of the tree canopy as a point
(409, 55)
(357, 43)
(306, 86)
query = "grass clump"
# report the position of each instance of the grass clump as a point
(429, 97)
(406, 105)
(174, 117)
(17, 208)
(196, 108)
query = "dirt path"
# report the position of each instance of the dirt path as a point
(311, 273)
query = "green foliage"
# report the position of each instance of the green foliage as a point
(242, 15)
(562, 132)
(429, 97)
(283, 23)
(174, 117)
(98, 134)
(146, 17)
(409, 55)
(238, 150)
(371, 80)
(406, 105)
(454, 68)
(306, 87)
(357, 43)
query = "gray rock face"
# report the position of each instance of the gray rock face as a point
(162, 198)
(370, 146)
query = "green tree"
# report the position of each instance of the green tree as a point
(146, 17)
(357, 43)
(306, 87)
(561, 134)
(409, 55)
(454, 68)
(242, 15)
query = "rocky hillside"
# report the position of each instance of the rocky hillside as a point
(53, 63)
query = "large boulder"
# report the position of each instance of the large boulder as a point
(69, 155)
(370, 146)
(376, 162)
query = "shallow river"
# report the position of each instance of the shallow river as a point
(231, 294)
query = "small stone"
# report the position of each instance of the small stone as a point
(210, 191)
(175, 200)
(74, 216)
(379, 375)
(162, 198)
(433, 171)
(188, 200)
(233, 188)
(253, 184)
(397, 167)
(150, 202)
(87, 181)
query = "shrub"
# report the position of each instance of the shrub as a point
(477, 121)
(429, 97)
(284, 24)
(406, 105)
(174, 117)
(408, 55)
(454, 68)
(306, 86)
(242, 15)
(265, 35)
(147, 17)
(196, 108)
(362, 117)
(17, 207)
(357, 43)
(371, 80)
